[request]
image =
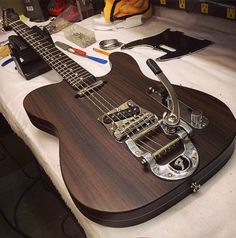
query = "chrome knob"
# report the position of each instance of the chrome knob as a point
(196, 118)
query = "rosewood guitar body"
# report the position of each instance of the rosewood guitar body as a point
(105, 180)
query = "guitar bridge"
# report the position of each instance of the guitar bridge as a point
(139, 128)
(127, 120)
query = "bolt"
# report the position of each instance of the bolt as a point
(172, 119)
(143, 161)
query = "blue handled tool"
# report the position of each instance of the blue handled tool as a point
(8, 61)
(79, 52)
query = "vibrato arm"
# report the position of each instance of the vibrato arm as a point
(171, 119)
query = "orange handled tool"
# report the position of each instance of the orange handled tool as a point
(101, 51)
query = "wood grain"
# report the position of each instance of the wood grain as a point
(107, 184)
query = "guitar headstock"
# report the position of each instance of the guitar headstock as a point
(7, 16)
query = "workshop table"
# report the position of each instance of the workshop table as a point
(209, 213)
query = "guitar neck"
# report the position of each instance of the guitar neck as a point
(70, 71)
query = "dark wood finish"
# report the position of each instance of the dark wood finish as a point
(104, 179)
(107, 184)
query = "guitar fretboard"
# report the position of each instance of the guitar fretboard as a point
(70, 71)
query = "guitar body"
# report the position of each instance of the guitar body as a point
(103, 177)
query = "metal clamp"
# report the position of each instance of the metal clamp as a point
(110, 44)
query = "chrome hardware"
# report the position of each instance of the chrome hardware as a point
(139, 123)
(195, 186)
(109, 44)
(125, 124)
(170, 101)
(131, 111)
(187, 113)
(171, 118)
(134, 124)
(151, 127)
(172, 130)
(182, 166)
(90, 87)
(165, 148)
(198, 120)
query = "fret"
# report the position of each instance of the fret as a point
(70, 64)
(70, 71)
(67, 72)
(68, 75)
(54, 51)
(81, 76)
(73, 79)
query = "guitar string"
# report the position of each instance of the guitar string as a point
(65, 76)
(32, 36)
(142, 142)
(148, 145)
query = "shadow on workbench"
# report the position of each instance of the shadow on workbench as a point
(29, 205)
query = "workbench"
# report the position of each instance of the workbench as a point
(211, 212)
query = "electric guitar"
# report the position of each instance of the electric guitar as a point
(130, 147)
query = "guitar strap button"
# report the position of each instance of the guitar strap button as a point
(195, 186)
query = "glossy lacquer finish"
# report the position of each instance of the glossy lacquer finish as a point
(104, 179)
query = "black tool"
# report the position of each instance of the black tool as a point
(174, 43)
(28, 63)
